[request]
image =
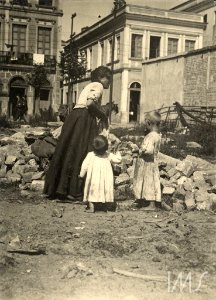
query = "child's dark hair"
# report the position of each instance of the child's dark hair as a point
(100, 145)
(100, 72)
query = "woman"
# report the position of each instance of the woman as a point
(75, 141)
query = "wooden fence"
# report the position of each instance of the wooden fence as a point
(187, 115)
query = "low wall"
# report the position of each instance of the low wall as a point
(189, 78)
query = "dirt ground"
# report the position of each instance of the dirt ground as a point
(82, 251)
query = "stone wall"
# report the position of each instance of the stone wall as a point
(188, 78)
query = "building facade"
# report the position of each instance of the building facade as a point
(30, 33)
(206, 8)
(141, 33)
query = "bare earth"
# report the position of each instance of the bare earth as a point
(159, 244)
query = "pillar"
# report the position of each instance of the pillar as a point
(124, 97)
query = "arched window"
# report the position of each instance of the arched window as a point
(135, 86)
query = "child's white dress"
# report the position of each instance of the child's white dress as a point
(146, 183)
(99, 184)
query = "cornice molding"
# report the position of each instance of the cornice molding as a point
(57, 13)
(167, 21)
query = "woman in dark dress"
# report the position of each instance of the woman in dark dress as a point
(75, 141)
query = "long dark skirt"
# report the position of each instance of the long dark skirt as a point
(78, 132)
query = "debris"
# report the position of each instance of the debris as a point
(141, 276)
(168, 190)
(58, 213)
(39, 251)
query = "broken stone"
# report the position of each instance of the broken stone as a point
(2, 159)
(190, 200)
(10, 160)
(13, 177)
(193, 145)
(37, 185)
(186, 167)
(31, 169)
(58, 213)
(128, 160)
(168, 190)
(175, 177)
(3, 171)
(182, 180)
(205, 205)
(188, 185)
(200, 163)
(178, 206)
(212, 180)
(212, 189)
(133, 147)
(179, 193)
(25, 193)
(4, 181)
(27, 177)
(170, 161)
(15, 243)
(201, 196)
(122, 179)
(19, 169)
(32, 162)
(172, 172)
(130, 171)
(199, 180)
(18, 136)
(38, 175)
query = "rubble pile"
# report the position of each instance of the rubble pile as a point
(186, 184)
(18, 163)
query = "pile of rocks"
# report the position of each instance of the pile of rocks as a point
(187, 184)
(18, 165)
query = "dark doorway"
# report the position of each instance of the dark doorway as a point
(154, 47)
(17, 88)
(134, 108)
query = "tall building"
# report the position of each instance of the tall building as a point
(206, 8)
(30, 32)
(141, 33)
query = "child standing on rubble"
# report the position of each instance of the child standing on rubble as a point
(146, 184)
(99, 183)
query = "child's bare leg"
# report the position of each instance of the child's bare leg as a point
(91, 207)
(151, 206)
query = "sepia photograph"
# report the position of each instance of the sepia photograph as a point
(107, 149)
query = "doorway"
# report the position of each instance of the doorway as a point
(134, 108)
(17, 88)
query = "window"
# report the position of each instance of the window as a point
(44, 94)
(136, 45)
(44, 40)
(101, 53)
(45, 2)
(19, 38)
(109, 51)
(20, 2)
(172, 46)
(189, 45)
(90, 58)
(205, 18)
(118, 47)
(154, 47)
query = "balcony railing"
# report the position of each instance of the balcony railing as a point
(25, 59)
(20, 2)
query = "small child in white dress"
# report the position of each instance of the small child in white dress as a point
(99, 183)
(146, 181)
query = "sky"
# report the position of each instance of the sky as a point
(88, 11)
